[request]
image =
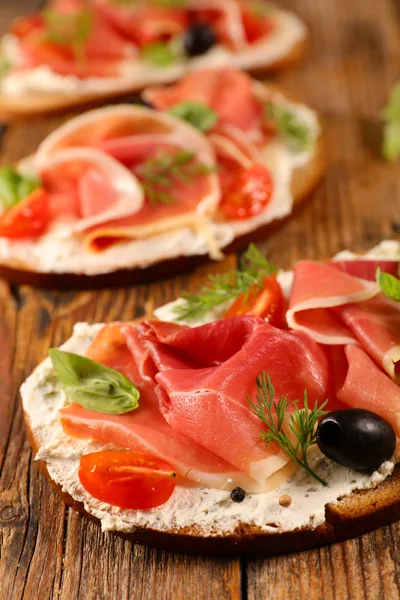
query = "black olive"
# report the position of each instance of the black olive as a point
(356, 438)
(198, 39)
(238, 494)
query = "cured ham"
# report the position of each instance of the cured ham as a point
(143, 24)
(227, 91)
(317, 288)
(366, 386)
(134, 137)
(206, 372)
(376, 325)
(335, 307)
(51, 39)
(86, 188)
(366, 268)
(145, 429)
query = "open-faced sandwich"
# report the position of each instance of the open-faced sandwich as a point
(74, 51)
(259, 415)
(126, 189)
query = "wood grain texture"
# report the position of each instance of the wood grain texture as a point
(46, 549)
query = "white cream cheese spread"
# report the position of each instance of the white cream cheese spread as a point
(210, 511)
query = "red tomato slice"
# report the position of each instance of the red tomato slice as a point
(267, 303)
(255, 26)
(126, 479)
(29, 218)
(249, 193)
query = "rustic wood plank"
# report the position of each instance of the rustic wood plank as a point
(46, 549)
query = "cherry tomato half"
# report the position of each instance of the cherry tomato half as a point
(127, 479)
(27, 219)
(248, 194)
(268, 303)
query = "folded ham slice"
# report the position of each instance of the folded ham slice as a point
(335, 307)
(87, 188)
(134, 135)
(230, 93)
(318, 287)
(366, 268)
(102, 54)
(206, 372)
(376, 325)
(366, 386)
(145, 429)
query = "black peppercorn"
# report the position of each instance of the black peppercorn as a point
(238, 495)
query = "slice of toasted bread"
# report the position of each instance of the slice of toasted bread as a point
(353, 515)
(304, 181)
(39, 104)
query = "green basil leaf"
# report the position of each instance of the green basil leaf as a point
(199, 115)
(93, 385)
(14, 186)
(389, 285)
(296, 133)
(160, 54)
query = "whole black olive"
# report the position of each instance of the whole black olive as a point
(356, 438)
(198, 39)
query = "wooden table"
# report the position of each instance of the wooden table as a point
(46, 549)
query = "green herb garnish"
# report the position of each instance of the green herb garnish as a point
(160, 54)
(294, 131)
(391, 130)
(93, 385)
(222, 288)
(389, 284)
(72, 30)
(199, 115)
(302, 422)
(157, 174)
(14, 186)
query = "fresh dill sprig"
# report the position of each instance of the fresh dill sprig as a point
(252, 269)
(157, 174)
(302, 422)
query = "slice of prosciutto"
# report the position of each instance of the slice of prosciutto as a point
(366, 268)
(230, 93)
(135, 136)
(205, 373)
(366, 386)
(317, 288)
(376, 325)
(101, 54)
(86, 188)
(145, 429)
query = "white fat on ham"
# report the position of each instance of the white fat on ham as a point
(125, 193)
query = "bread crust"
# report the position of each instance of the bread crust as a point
(36, 105)
(305, 179)
(354, 515)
